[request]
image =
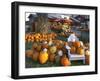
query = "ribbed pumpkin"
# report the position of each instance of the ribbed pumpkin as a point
(43, 56)
(65, 61)
(73, 50)
(29, 53)
(80, 50)
(77, 44)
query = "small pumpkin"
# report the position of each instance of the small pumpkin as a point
(73, 50)
(80, 50)
(77, 44)
(43, 56)
(53, 49)
(29, 53)
(65, 61)
(35, 45)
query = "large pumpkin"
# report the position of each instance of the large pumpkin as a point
(43, 56)
(29, 53)
(77, 44)
(65, 61)
(73, 50)
(80, 50)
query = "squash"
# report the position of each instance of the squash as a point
(65, 61)
(35, 56)
(29, 53)
(43, 56)
(53, 49)
(52, 57)
(73, 50)
(77, 44)
(80, 50)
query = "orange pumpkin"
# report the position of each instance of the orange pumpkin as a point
(65, 61)
(43, 56)
(29, 53)
(80, 50)
(73, 50)
(77, 44)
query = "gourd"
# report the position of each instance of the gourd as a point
(53, 49)
(65, 61)
(43, 56)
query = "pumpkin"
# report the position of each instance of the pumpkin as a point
(29, 53)
(51, 57)
(65, 61)
(77, 44)
(43, 56)
(73, 50)
(35, 45)
(35, 56)
(53, 49)
(80, 50)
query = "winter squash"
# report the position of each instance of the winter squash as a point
(52, 57)
(76, 44)
(53, 49)
(73, 50)
(80, 50)
(65, 61)
(43, 56)
(29, 53)
(35, 56)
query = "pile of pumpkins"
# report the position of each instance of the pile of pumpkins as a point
(38, 37)
(52, 51)
(77, 47)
